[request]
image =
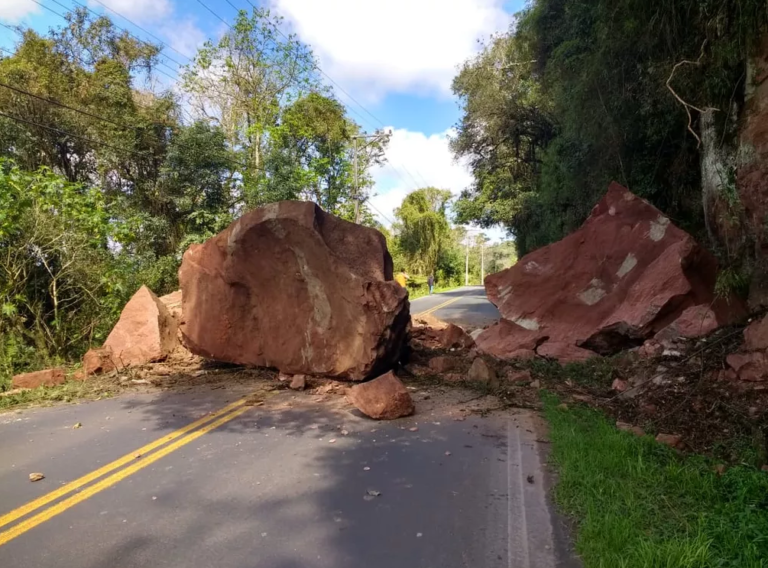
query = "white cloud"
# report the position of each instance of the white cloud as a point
(136, 10)
(376, 46)
(184, 36)
(429, 161)
(14, 10)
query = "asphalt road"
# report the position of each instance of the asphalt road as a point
(466, 306)
(302, 481)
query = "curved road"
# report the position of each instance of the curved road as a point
(466, 306)
(299, 481)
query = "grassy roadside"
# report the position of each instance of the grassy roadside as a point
(637, 503)
(421, 291)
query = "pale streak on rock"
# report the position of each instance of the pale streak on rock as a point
(527, 323)
(659, 228)
(594, 293)
(504, 292)
(626, 267)
(321, 308)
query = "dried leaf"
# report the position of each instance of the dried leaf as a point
(36, 476)
(76, 426)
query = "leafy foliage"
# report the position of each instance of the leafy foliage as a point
(576, 96)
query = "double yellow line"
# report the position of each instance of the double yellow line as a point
(137, 460)
(439, 306)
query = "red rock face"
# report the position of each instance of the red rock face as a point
(383, 398)
(292, 287)
(97, 361)
(146, 331)
(48, 378)
(625, 274)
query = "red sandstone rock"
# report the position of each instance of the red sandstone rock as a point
(145, 333)
(455, 337)
(383, 398)
(523, 376)
(443, 364)
(626, 427)
(756, 335)
(481, 372)
(752, 367)
(292, 287)
(172, 302)
(625, 274)
(507, 340)
(564, 352)
(48, 378)
(671, 440)
(696, 321)
(619, 385)
(97, 361)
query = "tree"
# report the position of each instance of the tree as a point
(424, 229)
(242, 82)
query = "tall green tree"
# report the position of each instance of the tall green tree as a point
(424, 230)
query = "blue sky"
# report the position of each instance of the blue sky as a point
(395, 57)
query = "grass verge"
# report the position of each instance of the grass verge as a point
(638, 504)
(69, 391)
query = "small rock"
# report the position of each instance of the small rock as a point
(373, 493)
(443, 364)
(383, 398)
(76, 426)
(47, 378)
(345, 432)
(419, 535)
(619, 385)
(447, 453)
(530, 479)
(298, 382)
(332, 441)
(562, 406)
(36, 476)
(625, 427)
(671, 440)
(366, 468)
(536, 384)
(673, 353)
(413, 429)
(720, 469)
(514, 376)
(480, 372)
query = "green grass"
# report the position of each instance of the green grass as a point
(420, 291)
(69, 391)
(638, 504)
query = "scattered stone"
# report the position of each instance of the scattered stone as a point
(693, 322)
(514, 376)
(720, 469)
(77, 425)
(453, 377)
(564, 352)
(383, 398)
(98, 361)
(671, 353)
(671, 440)
(36, 477)
(481, 372)
(619, 385)
(145, 333)
(447, 453)
(332, 441)
(298, 382)
(443, 363)
(46, 378)
(756, 335)
(562, 406)
(290, 286)
(650, 349)
(751, 367)
(455, 337)
(373, 493)
(625, 427)
(530, 479)
(536, 384)
(413, 429)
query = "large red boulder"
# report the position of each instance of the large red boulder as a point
(292, 287)
(625, 274)
(145, 332)
(383, 398)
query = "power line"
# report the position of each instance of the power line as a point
(65, 133)
(153, 36)
(391, 222)
(62, 105)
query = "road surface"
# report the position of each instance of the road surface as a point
(298, 481)
(466, 306)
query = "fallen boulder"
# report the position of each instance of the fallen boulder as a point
(97, 361)
(383, 398)
(625, 274)
(292, 287)
(47, 378)
(145, 332)
(480, 372)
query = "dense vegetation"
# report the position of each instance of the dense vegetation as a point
(107, 173)
(576, 95)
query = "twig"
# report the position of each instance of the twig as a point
(686, 105)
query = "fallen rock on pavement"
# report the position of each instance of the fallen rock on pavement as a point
(627, 273)
(383, 398)
(298, 382)
(292, 287)
(47, 377)
(481, 372)
(146, 332)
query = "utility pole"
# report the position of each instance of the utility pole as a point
(466, 269)
(482, 260)
(356, 189)
(356, 182)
